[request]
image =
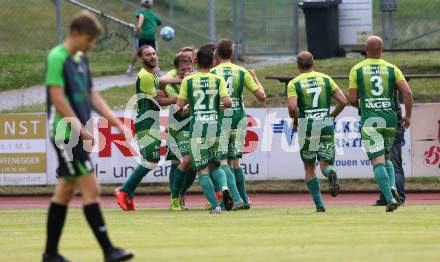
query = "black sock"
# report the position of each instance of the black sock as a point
(96, 221)
(55, 222)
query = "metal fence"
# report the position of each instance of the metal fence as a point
(257, 26)
(410, 24)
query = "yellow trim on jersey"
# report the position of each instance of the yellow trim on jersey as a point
(183, 94)
(147, 82)
(291, 90)
(248, 80)
(352, 79)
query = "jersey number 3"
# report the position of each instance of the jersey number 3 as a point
(378, 87)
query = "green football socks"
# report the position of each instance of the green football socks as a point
(135, 178)
(208, 189)
(178, 178)
(327, 170)
(390, 171)
(230, 178)
(383, 181)
(241, 184)
(219, 179)
(315, 191)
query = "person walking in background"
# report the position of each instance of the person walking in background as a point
(146, 27)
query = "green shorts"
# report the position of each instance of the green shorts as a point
(177, 144)
(378, 141)
(234, 134)
(319, 146)
(149, 144)
(323, 151)
(236, 141)
(206, 150)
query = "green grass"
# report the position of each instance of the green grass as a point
(28, 69)
(344, 233)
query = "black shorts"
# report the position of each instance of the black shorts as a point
(72, 163)
(141, 42)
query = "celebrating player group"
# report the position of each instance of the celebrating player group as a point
(207, 122)
(207, 125)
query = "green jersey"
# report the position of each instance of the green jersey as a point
(237, 78)
(150, 24)
(375, 81)
(70, 72)
(172, 90)
(146, 86)
(203, 92)
(314, 91)
(173, 73)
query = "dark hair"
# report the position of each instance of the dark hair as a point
(205, 57)
(225, 48)
(181, 58)
(86, 22)
(142, 48)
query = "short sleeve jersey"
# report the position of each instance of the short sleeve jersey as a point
(173, 73)
(237, 79)
(70, 72)
(375, 81)
(314, 91)
(203, 92)
(172, 90)
(150, 24)
(148, 109)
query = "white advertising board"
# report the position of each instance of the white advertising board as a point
(355, 21)
(426, 140)
(271, 145)
(272, 150)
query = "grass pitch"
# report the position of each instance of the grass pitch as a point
(344, 233)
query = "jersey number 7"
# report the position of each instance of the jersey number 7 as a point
(316, 91)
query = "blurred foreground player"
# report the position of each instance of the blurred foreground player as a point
(311, 94)
(372, 85)
(71, 98)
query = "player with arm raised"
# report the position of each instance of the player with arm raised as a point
(205, 93)
(309, 100)
(237, 80)
(372, 85)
